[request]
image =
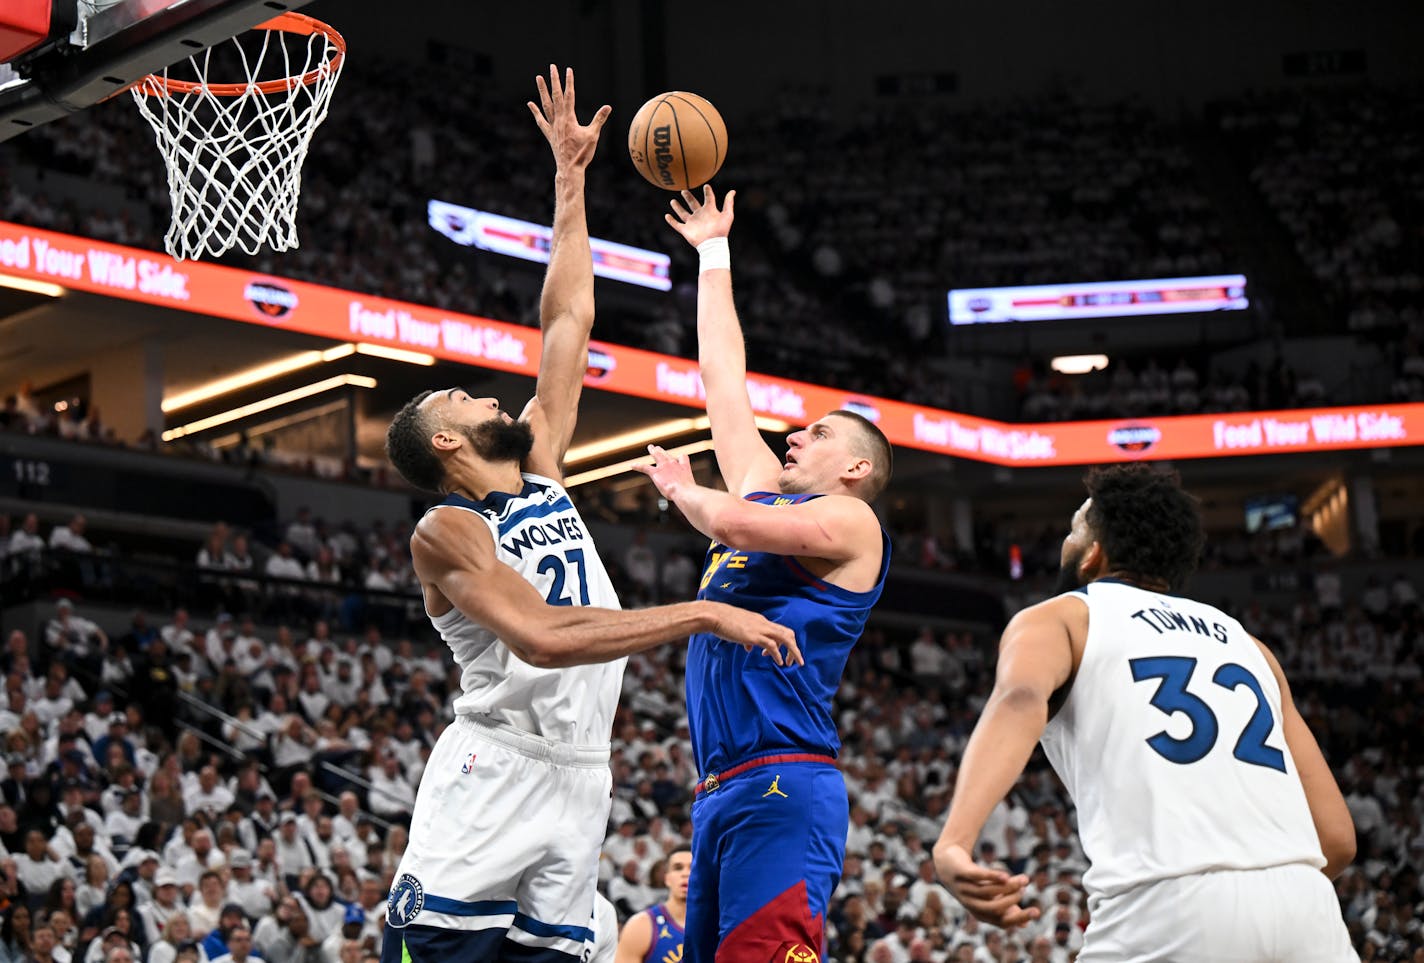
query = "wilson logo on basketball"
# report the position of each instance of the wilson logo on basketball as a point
(662, 154)
(600, 364)
(270, 299)
(1134, 439)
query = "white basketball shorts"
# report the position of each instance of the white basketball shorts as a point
(1284, 914)
(503, 852)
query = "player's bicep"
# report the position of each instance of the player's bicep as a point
(456, 555)
(563, 362)
(745, 460)
(836, 528)
(1036, 650)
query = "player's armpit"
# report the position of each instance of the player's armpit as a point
(636, 939)
(1333, 823)
(835, 527)
(541, 459)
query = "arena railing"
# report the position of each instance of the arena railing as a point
(229, 749)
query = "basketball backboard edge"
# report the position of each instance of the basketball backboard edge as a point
(115, 46)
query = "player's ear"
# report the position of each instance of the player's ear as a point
(1094, 561)
(859, 468)
(445, 440)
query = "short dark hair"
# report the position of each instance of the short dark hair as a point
(408, 447)
(1146, 522)
(873, 445)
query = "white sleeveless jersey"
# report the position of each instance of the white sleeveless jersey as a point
(1171, 744)
(540, 535)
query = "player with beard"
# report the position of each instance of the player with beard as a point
(502, 861)
(1210, 818)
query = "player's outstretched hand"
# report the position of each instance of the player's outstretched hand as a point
(753, 631)
(573, 144)
(990, 895)
(700, 220)
(668, 472)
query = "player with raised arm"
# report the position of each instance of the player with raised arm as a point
(1205, 807)
(502, 861)
(655, 935)
(796, 540)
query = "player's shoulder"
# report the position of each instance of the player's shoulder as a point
(446, 529)
(1068, 609)
(637, 933)
(846, 508)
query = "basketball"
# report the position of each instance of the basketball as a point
(677, 141)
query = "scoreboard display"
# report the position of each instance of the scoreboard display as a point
(1098, 299)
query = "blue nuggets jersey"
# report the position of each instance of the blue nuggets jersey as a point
(740, 704)
(667, 937)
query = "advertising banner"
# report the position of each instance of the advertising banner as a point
(342, 316)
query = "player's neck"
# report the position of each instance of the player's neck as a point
(677, 909)
(478, 481)
(1147, 583)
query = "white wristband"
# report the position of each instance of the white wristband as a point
(714, 253)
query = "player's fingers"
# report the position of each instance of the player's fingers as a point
(674, 222)
(980, 889)
(707, 196)
(1017, 916)
(544, 100)
(569, 83)
(727, 201)
(555, 90)
(678, 209)
(793, 651)
(976, 875)
(693, 203)
(538, 116)
(1002, 904)
(600, 118)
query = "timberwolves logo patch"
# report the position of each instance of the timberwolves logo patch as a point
(406, 899)
(796, 953)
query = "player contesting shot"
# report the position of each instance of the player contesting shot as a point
(1205, 807)
(797, 540)
(502, 861)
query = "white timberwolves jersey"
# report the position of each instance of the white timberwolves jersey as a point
(1171, 744)
(540, 535)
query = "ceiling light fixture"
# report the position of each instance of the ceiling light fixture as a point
(1076, 364)
(266, 404)
(652, 434)
(31, 286)
(618, 468)
(396, 354)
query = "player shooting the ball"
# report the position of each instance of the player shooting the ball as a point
(794, 539)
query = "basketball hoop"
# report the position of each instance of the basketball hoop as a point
(234, 151)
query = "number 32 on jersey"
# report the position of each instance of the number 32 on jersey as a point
(1171, 696)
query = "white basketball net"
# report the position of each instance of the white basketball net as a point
(235, 151)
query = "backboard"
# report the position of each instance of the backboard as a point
(65, 55)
